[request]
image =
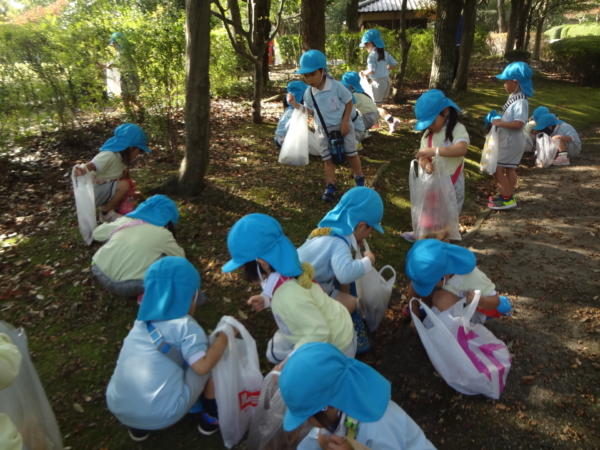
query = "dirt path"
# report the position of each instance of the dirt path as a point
(545, 255)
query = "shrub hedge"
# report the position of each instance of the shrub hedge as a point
(569, 31)
(579, 57)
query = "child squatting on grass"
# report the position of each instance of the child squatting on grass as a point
(297, 89)
(364, 104)
(441, 274)
(444, 133)
(134, 242)
(348, 402)
(334, 103)
(110, 168)
(569, 143)
(165, 364)
(302, 311)
(329, 250)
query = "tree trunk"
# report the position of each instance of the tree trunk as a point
(197, 98)
(522, 24)
(405, 45)
(312, 25)
(444, 42)
(352, 16)
(502, 28)
(528, 31)
(466, 45)
(258, 91)
(515, 9)
(540, 28)
(263, 26)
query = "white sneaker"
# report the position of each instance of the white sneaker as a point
(110, 216)
(561, 160)
(395, 124)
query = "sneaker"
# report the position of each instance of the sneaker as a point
(409, 236)
(276, 142)
(329, 195)
(138, 435)
(376, 126)
(503, 204)
(207, 425)
(395, 124)
(360, 181)
(110, 216)
(494, 198)
(359, 146)
(561, 160)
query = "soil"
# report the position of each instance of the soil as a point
(545, 256)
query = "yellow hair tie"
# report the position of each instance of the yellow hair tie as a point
(308, 273)
(317, 232)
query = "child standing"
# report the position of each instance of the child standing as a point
(511, 147)
(364, 103)
(165, 363)
(303, 312)
(440, 118)
(329, 250)
(347, 401)
(569, 143)
(296, 88)
(135, 241)
(331, 104)
(110, 168)
(379, 63)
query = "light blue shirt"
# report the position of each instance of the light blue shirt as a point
(394, 431)
(284, 122)
(332, 102)
(331, 257)
(564, 129)
(359, 125)
(380, 67)
(518, 110)
(147, 389)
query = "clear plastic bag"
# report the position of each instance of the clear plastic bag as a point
(25, 402)
(489, 155)
(364, 83)
(546, 150)
(266, 429)
(313, 143)
(374, 293)
(237, 380)
(85, 202)
(433, 203)
(294, 151)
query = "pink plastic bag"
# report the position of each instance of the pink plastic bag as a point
(127, 204)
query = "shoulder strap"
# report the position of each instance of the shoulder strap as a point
(171, 352)
(133, 223)
(351, 427)
(318, 111)
(355, 117)
(457, 172)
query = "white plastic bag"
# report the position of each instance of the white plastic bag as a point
(489, 155)
(85, 202)
(266, 429)
(374, 293)
(467, 355)
(546, 150)
(313, 143)
(294, 151)
(237, 380)
(433, 203)
(364, 83)
(25, 402)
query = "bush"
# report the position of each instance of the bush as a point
(517, 55)
(569, 31)
(579, 57)
(227, 67)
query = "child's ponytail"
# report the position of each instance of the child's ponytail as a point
(381, 53)
(126, 156)
(453, 119)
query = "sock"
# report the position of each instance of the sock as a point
(209, 405)
(356, 177)
(389, 118)
(506, 198)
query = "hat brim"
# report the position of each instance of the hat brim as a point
(308, 70)
(378, 227)
(425, 123)
(362, 44)
(232, 264)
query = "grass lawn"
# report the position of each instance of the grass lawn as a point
(76, 329)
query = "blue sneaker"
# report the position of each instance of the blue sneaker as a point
(360, 181)
(207, 425)
(276, 142)
(329, 195)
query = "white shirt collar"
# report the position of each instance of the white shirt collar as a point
(326, 87)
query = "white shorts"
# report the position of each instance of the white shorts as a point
(573, 149)
(370, 119)
(381, 90)
(349, 142)
(104, 192)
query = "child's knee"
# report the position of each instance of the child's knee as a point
(123, 185)
(444, 300)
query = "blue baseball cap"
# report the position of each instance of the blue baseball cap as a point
(312, 60)
(297, 88)
(126, 135)
(353, 79)
(373, 36)
(169, 286)
(521, 72)
(429, 106)
(429, 260)
(158, 210)
(318, 375)
(359, 204)
(491, 116)
(540, 111)
(546, 120)
(260, 236)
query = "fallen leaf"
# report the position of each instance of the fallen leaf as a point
(242, 314)
(77, 407)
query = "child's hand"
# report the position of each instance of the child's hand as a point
(370, 255)
(291, 99)
(337, 443)
(470, 296)
(429, 168)
(279, 367)
(344, 128)
(497, 122)
(80, 170)
(257, 302)
(425, 153)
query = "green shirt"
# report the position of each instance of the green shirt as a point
(130, 251)
(109, 165)
(473, 281)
